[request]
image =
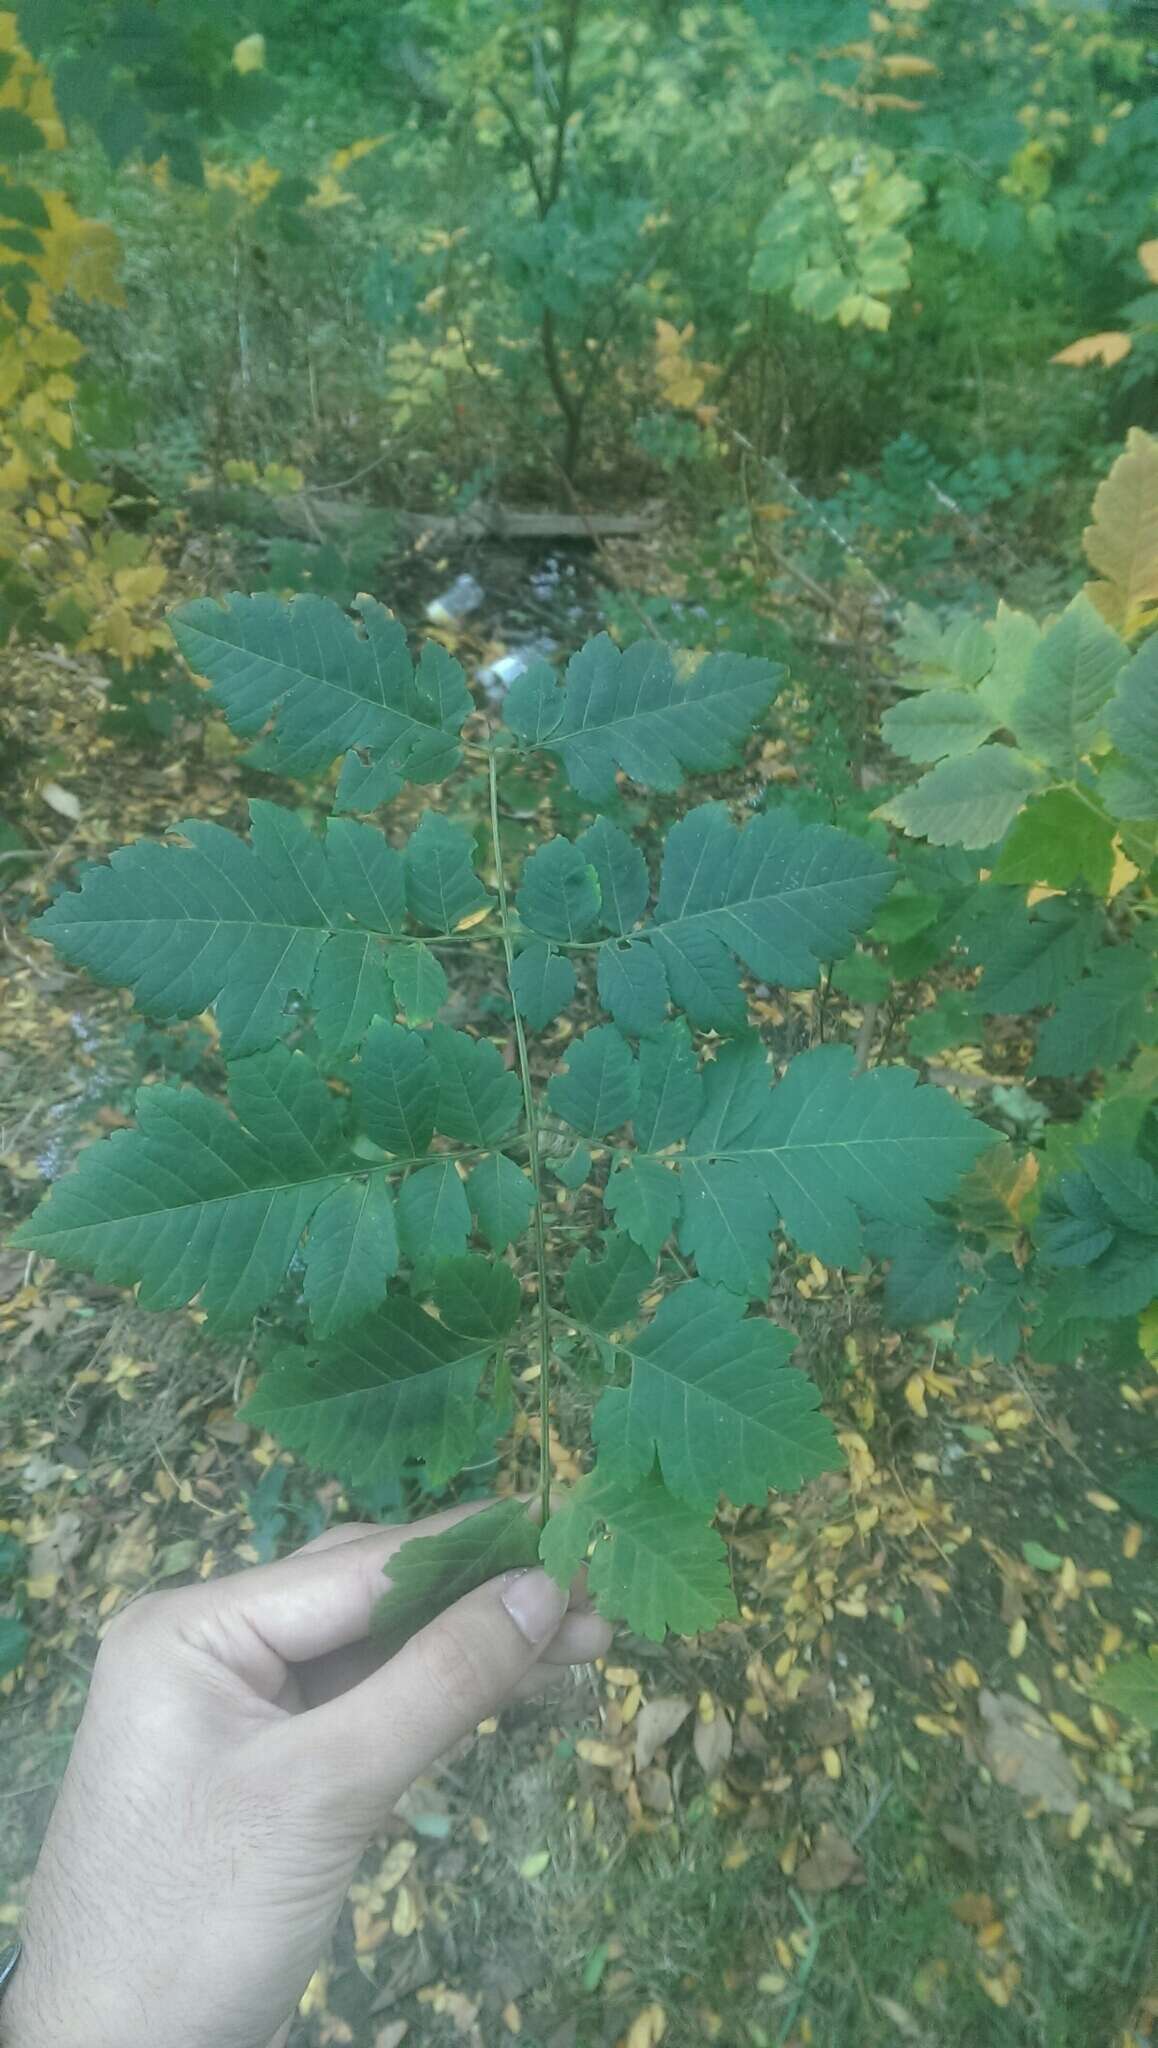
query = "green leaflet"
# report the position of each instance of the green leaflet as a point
(671, 1088)
(396, 1387)
(1131, 1688)
(829, 1146)
(501, 1199)
(713, 1395)
(196, 1202)
(938, 725)
(1056, 839)
(599, 1088)
(418, 981)
(560, 896)
(1132, 717)
(477, 1298)
(543, 983)
(1068, 686)
(243, 925)
(630, 711)
(621, 872)
(726, 1223)
(990, 1324)
(1033, 957)
(442, 887)
(325, 683)
(604, 1293)
(433, 1213)
(967, 802)
(655, 1563)
(645, 1200)
(1098, 1226)
(1100, 1018)
(632, 986)
(396, 1089)
(479, 1100)
(430, 1573)
(780, 895)
(351, 1253)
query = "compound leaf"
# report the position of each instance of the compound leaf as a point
(990, 1324)
(671, 1088)
(726, 1225)
(1034, 957)
(831, 1146)
(938, 725)
(1055, 839)
(1132, 717)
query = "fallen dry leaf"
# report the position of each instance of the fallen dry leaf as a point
(656, 1723)
(647, 2029)
(832, 1864)
(1023, 1752)
(712, 1742)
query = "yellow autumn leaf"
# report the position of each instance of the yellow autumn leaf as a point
(355, 151)
(915, 1395)
(647, 2029)
(1148, 258)
(901, 66)
(1107, 348)
(1122, 541)
(137, 586)
(1123, 872)
(249, 54)
(82, 256)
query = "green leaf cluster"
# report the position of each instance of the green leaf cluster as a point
(374, 1173)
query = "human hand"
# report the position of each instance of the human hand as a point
(240, 1747)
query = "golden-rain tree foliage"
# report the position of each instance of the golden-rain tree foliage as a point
(63, 569)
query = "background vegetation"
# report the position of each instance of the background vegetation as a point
(806, 331)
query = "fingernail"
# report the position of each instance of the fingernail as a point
(535, 1604)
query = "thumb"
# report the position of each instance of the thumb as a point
(385, 1732)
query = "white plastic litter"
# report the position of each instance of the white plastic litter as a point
(456, 604)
